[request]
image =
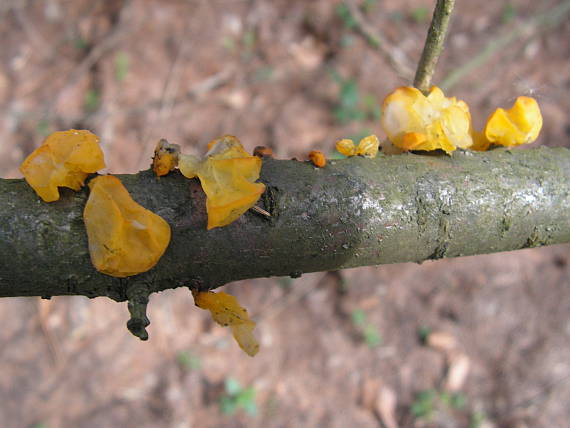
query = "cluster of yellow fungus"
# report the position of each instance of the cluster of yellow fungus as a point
(228, 175)
(65, 159)
(414, 121)
(124, 238)
(367, 147)
(226, 311)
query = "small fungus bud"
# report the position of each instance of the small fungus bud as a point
(263, 152)
(124, 238)
(63, 160)
(165, 157)
(318, 158)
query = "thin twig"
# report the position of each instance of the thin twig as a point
(395, 56)
(530, 28)
(434, 44)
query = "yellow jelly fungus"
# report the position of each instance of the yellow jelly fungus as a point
(226, 311)
(227, 174)
(414, 121)
(346, 147)
(63, 160)
(165, 157)
(520, 124)
(367, 147)
(124, 238)
(318, 158)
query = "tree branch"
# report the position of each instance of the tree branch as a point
(354, 212)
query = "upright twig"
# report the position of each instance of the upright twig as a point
(433, 44)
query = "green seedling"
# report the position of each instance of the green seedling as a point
(236, 397)
(369, 332)
(423, 334)
(348, 21)
(428, 401)
(423, 406)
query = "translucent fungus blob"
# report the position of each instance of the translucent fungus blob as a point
(165, 157)
(227, 312)
(414, 121)
(64, 159)
(124, 238)
(228, 175)
(521, 124)
(346, 147)
(318, 158)
(367, 147)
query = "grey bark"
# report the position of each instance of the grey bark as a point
(353, 212)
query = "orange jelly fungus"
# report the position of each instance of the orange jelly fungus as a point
(63, 160)
(226, 311)
(228, 176)
(414, 121)
(124, 238)
(318, 158)
(521, 124)
(165, 157)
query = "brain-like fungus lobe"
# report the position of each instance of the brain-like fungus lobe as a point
(124, 238)
(226, 311)
(521, 124)
(414, 121)
(367, 147)
(63, 160)
(165, 157)
(228, 176)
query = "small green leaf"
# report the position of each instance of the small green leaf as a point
(423, 405)
(423, 333)
(346, 17)
(358, 317)
(228, 405)
(372, 337)
(232, 386)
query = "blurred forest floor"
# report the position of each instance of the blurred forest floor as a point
(477, 341)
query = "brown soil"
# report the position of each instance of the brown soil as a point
(189, 71)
